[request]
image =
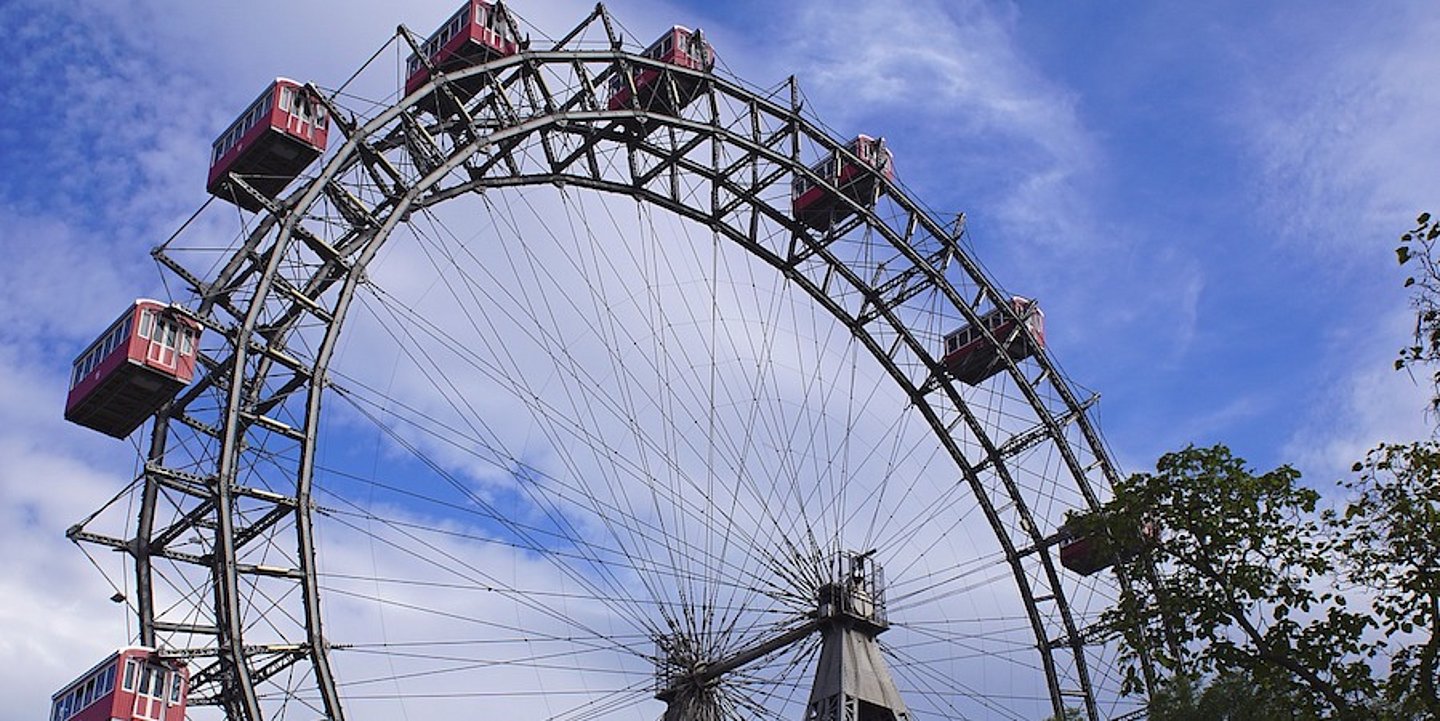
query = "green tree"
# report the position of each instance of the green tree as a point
(1390, 530)
(1390, 543)
(1234, 573)
(1416, 254)
(1236, 582)
(1230, 696)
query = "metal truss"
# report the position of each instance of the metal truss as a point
(227, 514)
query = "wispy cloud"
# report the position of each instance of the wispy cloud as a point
(52, 474)
(954, 88)
(1343, 139)
(1363, 403)
(1345, 135)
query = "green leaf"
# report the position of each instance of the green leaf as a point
(1403, 252)
(1423, 219)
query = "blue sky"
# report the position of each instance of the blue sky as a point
(1204, 196)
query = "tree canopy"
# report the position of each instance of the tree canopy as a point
(1257, 596)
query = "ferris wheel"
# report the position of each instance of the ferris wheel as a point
(654, 398)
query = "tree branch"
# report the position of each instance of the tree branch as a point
(1266, 652)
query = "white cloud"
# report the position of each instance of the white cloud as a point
(1342, 139)
(61, 283)
(954, 87)
(1343, 136)
(1364, 403)
(56, 614)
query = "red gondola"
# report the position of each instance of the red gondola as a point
(133, 369)
(1087, 555)
(478, 32)
(133, 684)
(679, 46)
(1084, 555)
(276, 138)
(814, 205)
(971, 358)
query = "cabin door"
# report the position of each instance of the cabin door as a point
(150, 695)
(300, 126)
(299, 122)
(297, 113)
(162, 346)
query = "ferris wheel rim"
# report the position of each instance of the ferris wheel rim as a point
(354, 273)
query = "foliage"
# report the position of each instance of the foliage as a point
(1237, 597)
(1238, 582)
(1072, 713)
(1417, 251)
(1390, 542)
(1391, 528)
(1230, 696)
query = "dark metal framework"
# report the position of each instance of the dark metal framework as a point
(231, 462)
